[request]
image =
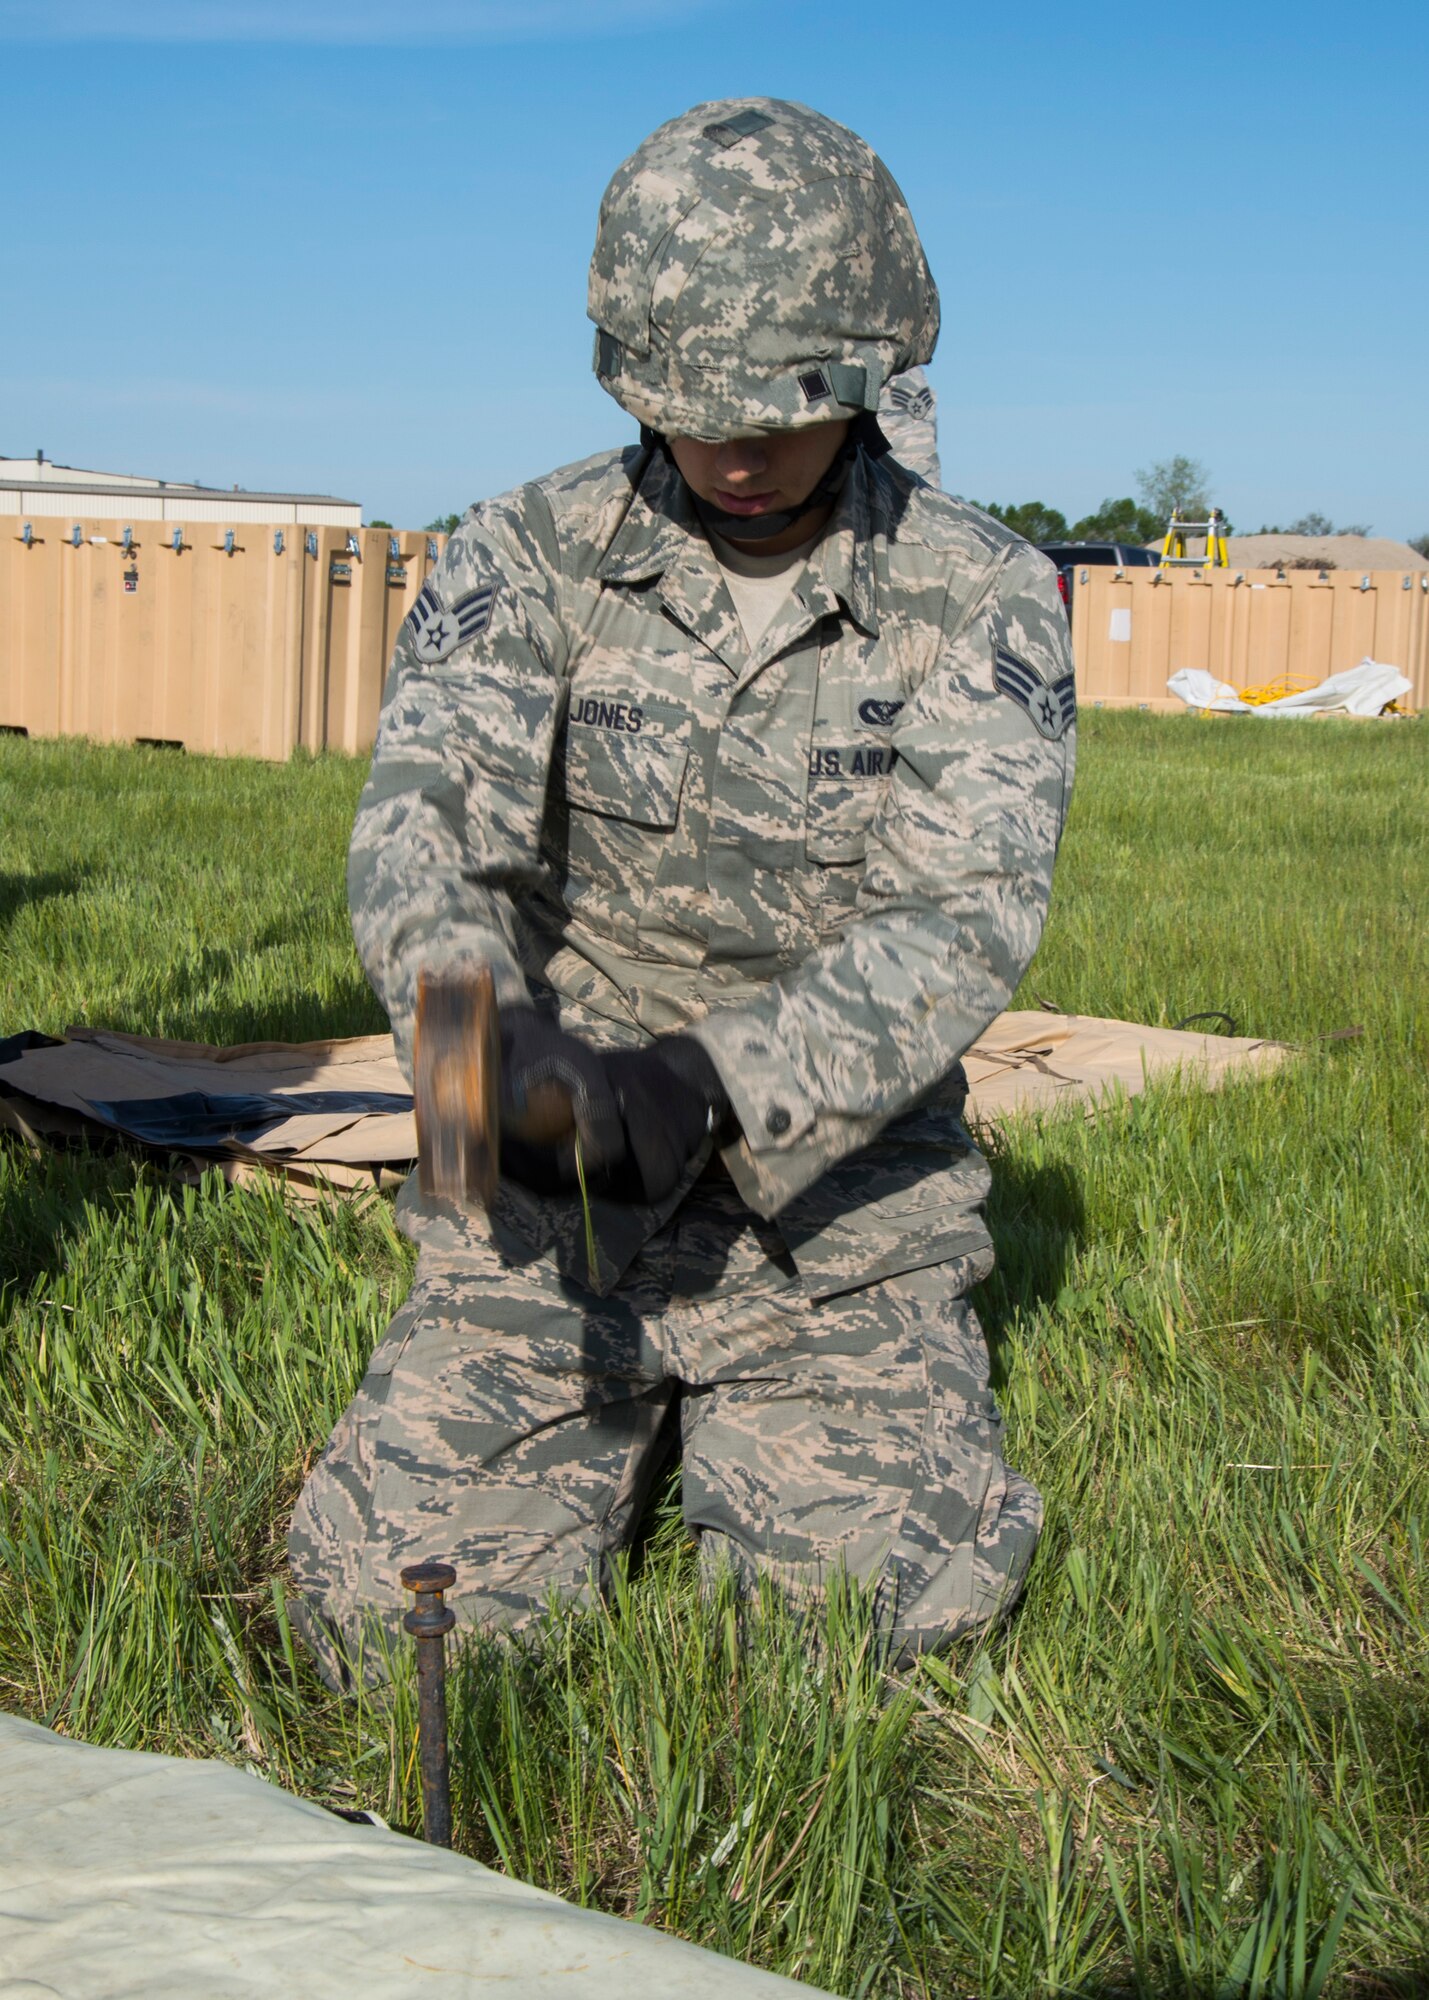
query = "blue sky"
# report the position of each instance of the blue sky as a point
(342, 247)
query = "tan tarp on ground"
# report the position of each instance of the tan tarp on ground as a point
(126, 1876)
(1024, 1061)
(1030, 1062)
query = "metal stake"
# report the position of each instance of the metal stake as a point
(429, 1622)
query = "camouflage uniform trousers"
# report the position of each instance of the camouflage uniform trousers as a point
(510, 1423)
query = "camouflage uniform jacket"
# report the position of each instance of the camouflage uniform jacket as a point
(831, 856)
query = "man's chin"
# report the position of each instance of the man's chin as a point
(748, 507)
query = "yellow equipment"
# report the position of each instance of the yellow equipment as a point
(1257, 697)
(1173, 549)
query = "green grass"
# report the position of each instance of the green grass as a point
(1197, 1763)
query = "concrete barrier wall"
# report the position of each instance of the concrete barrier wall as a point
(242, 640)
(1132, 629)
(251, 640)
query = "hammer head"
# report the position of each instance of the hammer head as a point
(456, 1087)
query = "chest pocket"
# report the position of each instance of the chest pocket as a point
(851, 754)
(846, 785)
(625, 759)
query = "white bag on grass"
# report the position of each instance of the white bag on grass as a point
(1363, 690)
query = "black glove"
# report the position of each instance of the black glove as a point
(536, 1053)
(670, 1100)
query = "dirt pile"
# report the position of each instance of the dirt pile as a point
(1358, 552)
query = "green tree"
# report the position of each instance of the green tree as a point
(1316, 524)
(1030, 519)
(1119, 521)
(1420, 546)
(1321, 524)
(1175, 485)
(445, 524)
(379, 524)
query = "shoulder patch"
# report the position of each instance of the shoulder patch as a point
(437, 630)
(916, 402)
(1052, 709)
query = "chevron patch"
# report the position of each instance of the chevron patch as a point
(1053, 709)
(437, 631)
(916, 402)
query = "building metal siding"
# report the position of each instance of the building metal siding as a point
(153, 503)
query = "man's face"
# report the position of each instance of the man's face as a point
(763, 475)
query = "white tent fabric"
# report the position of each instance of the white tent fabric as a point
(128, 1876)
(1363, 690)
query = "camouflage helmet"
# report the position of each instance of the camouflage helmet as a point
(756, 268)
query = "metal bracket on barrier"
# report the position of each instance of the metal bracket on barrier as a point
(127, 540)
(227, 542)
(394, 549)
(76, 536)
(310, 543)
(1239, 577)
(1364, 583)
(277, 541)
(354, 547)
(431, 549)
(176, 541)
(1408, 583)
(27, 536)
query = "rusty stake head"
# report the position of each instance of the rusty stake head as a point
(429, 1624)
(426, 1576)
(431, 1616)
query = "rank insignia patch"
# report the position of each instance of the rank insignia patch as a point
(1052, 709)
(916, 402)
(437, 631)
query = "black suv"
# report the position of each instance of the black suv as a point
(1076, 555)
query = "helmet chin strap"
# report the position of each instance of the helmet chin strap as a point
(863, 433)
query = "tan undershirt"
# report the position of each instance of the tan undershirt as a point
(758, 584)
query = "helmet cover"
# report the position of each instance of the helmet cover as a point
(756, 269)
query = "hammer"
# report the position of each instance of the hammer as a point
(456, 1090)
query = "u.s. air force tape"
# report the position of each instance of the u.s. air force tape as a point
(1052, 709)
(437, 629)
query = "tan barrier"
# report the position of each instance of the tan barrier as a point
(257, 640)
(245, 640)
(1132, 629)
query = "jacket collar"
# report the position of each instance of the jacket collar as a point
(661, 536)
(658, 522)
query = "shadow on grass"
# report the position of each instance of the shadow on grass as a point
(197, 1008)
(1037, 1219)
(43, 1203)
(1408, 1982)
(18, 892)
(352, 1009)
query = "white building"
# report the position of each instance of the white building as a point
(35, 487)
